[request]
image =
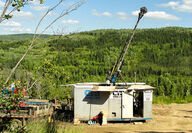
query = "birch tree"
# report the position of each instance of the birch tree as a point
(15, 5)
(37, 34)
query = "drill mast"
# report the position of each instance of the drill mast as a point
(116, 70)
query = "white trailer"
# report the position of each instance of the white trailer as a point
(122, 102)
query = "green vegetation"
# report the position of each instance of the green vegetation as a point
(20, 37)
(160, 57)
(42, 126)
(169, 100)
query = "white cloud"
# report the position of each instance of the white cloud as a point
(94, 12)
(35, 2)
(20, 13)
(158, 15)
(67, 4)
(10, 24)
(170, 4)
(2, 3)
(23, 14)
(20, 29)
(70, 21)
(107, 14)
(122, 15)
(39, 8)
(187, 1)
(181, 6)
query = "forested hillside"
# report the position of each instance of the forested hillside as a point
(20, 36)
(160, 57)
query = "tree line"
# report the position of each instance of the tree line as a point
(160, 57)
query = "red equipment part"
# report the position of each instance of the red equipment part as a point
(96, 117)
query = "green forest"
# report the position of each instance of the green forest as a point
(160, 57)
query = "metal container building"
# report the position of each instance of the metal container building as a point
(122, 102)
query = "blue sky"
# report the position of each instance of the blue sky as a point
(99, 14)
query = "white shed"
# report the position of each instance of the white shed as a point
(122, 102)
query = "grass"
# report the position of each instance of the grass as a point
(169, 100)
(42, 126)
(69, 128)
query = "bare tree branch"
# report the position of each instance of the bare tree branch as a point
(66, 12)
(35, 37)
(32, 84)
(5, 9)
(48, 11)
(14, 9)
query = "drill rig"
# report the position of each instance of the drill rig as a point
(116, 70)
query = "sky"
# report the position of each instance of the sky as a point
(98, 14)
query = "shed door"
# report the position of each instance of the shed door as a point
(127, 105)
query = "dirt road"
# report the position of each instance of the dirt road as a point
(166, 118)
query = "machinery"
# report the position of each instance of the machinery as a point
(28, 109)
(116, 70)
(113, 101)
